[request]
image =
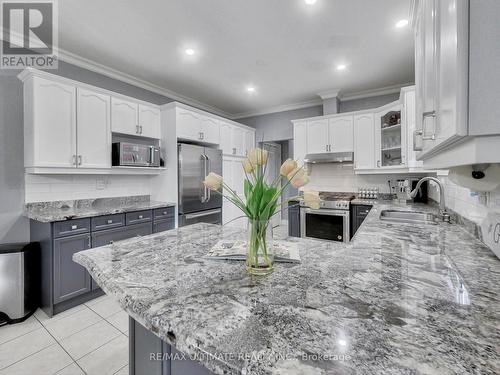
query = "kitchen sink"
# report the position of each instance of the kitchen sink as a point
(412, 217)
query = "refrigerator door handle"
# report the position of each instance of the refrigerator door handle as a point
(204, 198)
(206, 173)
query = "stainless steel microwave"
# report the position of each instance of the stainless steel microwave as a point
(135, 155)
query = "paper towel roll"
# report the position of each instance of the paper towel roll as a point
(462, 176)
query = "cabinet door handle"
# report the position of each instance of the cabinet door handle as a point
(431, 114)
(73, 160)
(326, 147)
(141, 128)
(234, 151)
(378, 163)
(79, 159)
(202, 135)
(89, 242)
(137, 129)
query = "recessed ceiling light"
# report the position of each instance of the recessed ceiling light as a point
(189, 51)
(341, 67)
(310, 2)
(402, 23)
(251, 89)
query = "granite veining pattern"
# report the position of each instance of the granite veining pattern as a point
(47, 212)
(399, 299)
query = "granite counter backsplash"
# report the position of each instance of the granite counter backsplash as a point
(47, 212)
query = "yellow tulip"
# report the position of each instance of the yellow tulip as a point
(311, 198)
(298, 178)
(213, 181)
(247, 166)
(288, 166)
(258, 156)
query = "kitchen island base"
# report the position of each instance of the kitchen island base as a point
(150, 355)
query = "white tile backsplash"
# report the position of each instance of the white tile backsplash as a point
(465, 202)
(40, 188)
(341, 177)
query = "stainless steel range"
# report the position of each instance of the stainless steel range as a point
(331, 222)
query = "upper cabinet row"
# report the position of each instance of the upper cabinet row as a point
(69, 125)
(378, 138)
(457, 80)
(195, 126)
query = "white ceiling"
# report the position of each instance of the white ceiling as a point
(284, 48)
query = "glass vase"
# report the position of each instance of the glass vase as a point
(260, 256)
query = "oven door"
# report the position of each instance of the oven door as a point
(325, 224)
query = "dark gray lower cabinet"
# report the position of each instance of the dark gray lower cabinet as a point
(358, 215)
(163, 225)
(106, 237)
(293, 219)
(149, 355)
(64, 283)
(70, 279)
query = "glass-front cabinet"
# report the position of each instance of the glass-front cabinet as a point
(390, 137)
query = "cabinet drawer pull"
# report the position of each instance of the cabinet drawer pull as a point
(140, 216)
(74, 226)
(110, 221)
(164, 212)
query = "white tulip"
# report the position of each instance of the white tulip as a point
(288, 166)
(213, 181)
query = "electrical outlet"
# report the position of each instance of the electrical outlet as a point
(101, 183)
(490, 229)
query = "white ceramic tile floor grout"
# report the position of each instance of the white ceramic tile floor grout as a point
(39, 321)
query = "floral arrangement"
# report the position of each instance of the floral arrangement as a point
(261, 202)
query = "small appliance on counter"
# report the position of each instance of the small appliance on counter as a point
(368, 192)
(127, 154)
(20, 281)
(402, 188)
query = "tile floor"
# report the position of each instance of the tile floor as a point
(89, 339)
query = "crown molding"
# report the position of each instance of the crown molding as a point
(82, 62)
(95, 67)
(329, 94)
(279, 108)
(375, 92)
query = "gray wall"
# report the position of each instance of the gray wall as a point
(277, 126)
(367, 103)
(13, 227)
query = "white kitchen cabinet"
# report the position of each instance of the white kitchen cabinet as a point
(194, 126)
(390, 137)
(364, 141)
(50, 123)
(299, 141)
(210, 131)
(249, 141)
(149, 121)
(188, 124)
(124, 116)
(457, 80)
(225, 138)
(317, 136)
(408, 117)
(232, 171)
(93, 133)
(341, 133)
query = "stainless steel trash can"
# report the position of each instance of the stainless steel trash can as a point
(19, 281)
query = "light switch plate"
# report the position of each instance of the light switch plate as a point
(490, 229)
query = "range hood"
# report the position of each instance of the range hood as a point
(332, 157)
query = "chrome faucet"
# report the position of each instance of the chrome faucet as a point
(445, 216)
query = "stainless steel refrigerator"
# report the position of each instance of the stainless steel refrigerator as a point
(197, 204)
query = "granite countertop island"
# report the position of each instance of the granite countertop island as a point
(398, 299)
(47, 212)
